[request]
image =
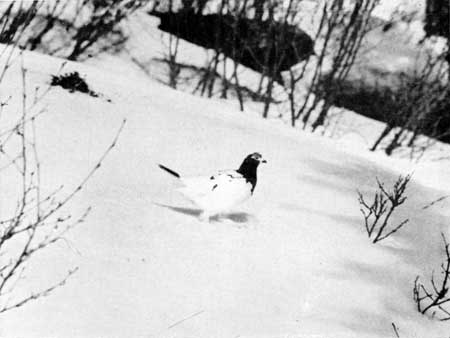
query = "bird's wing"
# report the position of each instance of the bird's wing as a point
(199, 186)
(217, 192)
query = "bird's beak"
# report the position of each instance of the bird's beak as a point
(263, 161)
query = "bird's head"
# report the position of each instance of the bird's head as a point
(251, 162)
(249, 166)
(255, 158)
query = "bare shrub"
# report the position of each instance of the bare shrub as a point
(418, 106)
(378, 212)
(435, 300)
(261, 35)
(53, 12)
(39, 219)
(15, 19)
(15, 22)
(171, 55)
(103, 21)
(340, 33)
(174, 69)
(67, 28)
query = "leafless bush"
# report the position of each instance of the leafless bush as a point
(174, 69)
(15, 18)
(435, 301)
(378, 212)
(27, 23)
(208, 79)
(420, 103)
(269, 72)
(103, 21)
(15, 21)
(340, 34)
(283, 42)
(68, 28)
(261, 35)
(52, 16)
(171, 55)
(39, 219)
(273, 37)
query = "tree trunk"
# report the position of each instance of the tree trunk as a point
(384, 133)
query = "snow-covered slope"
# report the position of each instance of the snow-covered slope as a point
(146, 49)
(294, 261)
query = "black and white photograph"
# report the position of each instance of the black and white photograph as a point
(224, 169)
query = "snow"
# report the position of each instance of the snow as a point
(293, 261)
(386, 9)
(147, 47)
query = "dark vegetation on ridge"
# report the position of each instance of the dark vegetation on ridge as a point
(262, 45)
(73, 82)
(387, 104)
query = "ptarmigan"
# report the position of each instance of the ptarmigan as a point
(222, 191)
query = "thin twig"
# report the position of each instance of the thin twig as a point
(185, 319)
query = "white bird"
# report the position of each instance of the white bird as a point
(222, 191)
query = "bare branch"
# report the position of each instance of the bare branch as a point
(377, 214)
(439, 296)
(39, 294)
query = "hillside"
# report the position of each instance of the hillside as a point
(294, 261)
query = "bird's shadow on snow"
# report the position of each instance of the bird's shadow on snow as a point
(236, 217)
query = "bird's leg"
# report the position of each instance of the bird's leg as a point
(205, 216)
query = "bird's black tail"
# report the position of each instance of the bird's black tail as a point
(170, 171)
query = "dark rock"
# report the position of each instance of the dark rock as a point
(260, 45)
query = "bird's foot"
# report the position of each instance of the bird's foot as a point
(204, 217)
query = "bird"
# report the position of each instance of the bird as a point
(220, 192)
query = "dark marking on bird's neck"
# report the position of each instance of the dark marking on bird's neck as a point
(248, 170)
